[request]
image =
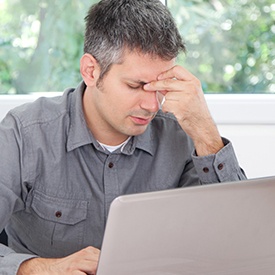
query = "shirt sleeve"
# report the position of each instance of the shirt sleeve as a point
(10, 261)
(10, 189)
(220, 167)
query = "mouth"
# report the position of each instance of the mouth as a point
(141, 120)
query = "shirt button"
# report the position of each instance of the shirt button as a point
(220, 166)
(58, 214)
(205, 170)
(111, 165)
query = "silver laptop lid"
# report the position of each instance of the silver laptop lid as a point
(216, 229)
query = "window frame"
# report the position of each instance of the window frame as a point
(237, 109)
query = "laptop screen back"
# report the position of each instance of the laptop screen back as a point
(216, 229)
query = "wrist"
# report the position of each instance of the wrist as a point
(32, 266)
(208, 144)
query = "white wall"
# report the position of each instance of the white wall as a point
(254, 146)
(247, 120)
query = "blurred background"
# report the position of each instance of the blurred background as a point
(231, 44)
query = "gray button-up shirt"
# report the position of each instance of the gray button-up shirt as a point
(57, 182)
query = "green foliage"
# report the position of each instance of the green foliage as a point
(41, 43)
(230, 44)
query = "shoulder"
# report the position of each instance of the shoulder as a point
(42, 110)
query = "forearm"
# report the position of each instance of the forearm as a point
(209, 141)
(36, 266)
(82, 262)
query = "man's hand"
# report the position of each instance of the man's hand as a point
(80, 263)
(185, 99)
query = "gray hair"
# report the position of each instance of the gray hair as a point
(145, 26)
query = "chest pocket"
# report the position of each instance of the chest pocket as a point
(59, 223)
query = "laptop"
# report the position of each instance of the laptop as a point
(216, 229)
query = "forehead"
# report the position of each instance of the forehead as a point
(141, 67)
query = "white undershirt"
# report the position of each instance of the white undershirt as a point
(112, 148)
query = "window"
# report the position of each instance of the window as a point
(231, 44)
(41, 43)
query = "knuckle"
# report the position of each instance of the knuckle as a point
(72, 267)
(176, 69)
(195, 86)
(197, 82)
(166, 83)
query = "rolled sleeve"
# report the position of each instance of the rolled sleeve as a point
(11, 261)
(220, 167)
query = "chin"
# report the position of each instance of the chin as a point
(138, 132)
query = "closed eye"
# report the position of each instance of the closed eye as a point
(134, 87)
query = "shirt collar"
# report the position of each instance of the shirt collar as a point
(80, 135)
(143, 142)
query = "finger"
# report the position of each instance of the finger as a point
(92, 250)
(89, 267)
(87, 259)
(88, 253)
(164, 86)
(78, 272)
(79, 266)
(177, 72)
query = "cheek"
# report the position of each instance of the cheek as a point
(115, 105)
(123, 101)
(118, 98)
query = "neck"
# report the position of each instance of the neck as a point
(93, 119)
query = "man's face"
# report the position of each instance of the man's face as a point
(121, 107)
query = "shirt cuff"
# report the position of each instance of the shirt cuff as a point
(10, 263)
(220, 167)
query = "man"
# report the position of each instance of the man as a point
(65, 159)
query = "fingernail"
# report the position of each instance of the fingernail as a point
(146, 86)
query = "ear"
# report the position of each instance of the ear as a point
(89, 69)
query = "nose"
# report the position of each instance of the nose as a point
(149, 101)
